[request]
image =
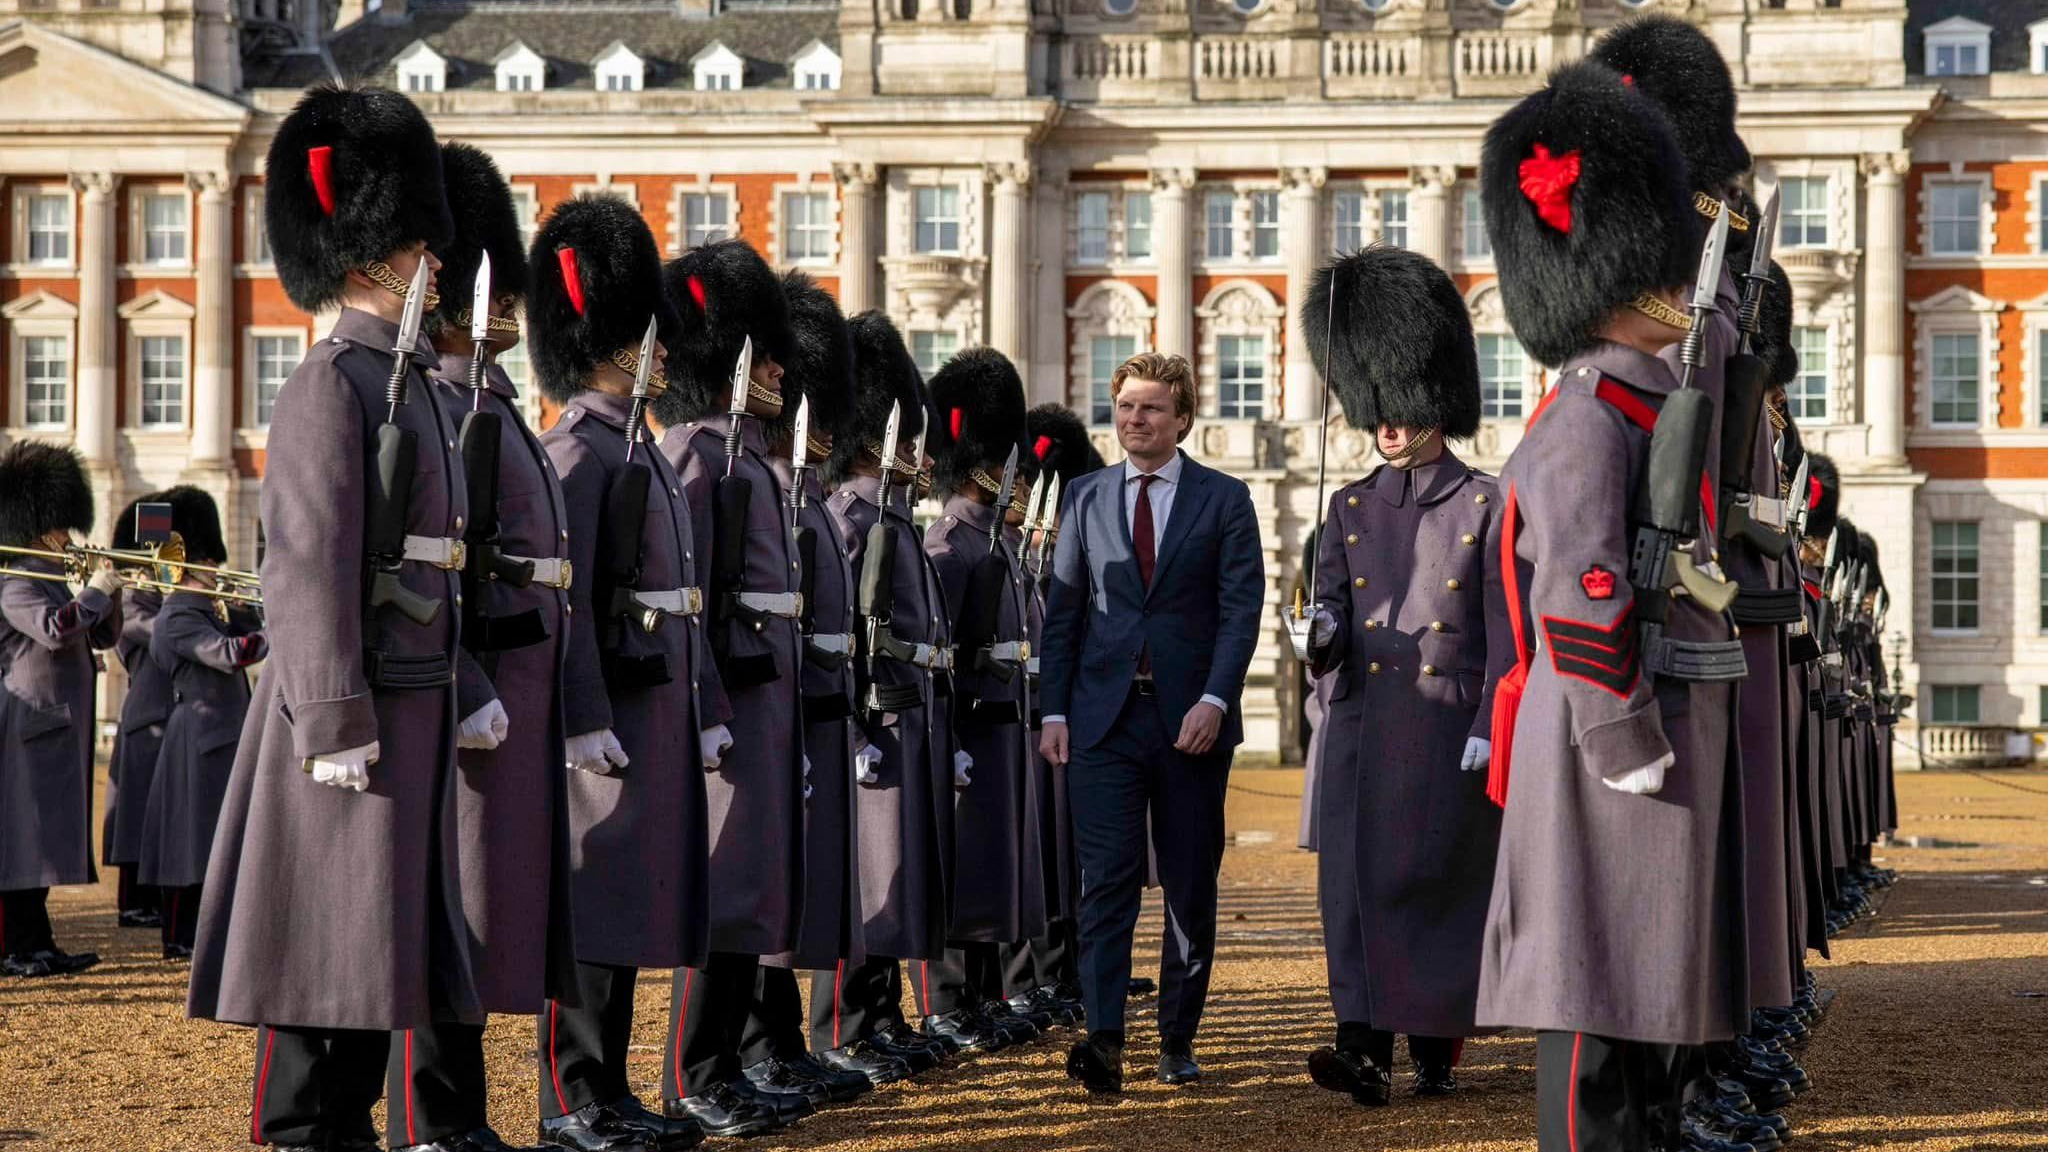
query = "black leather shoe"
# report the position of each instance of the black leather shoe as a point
(1435, 1080)
(1065, 1013)
(670, 1134)
(597, 1128)
(776, 1076)
(1767, 1093)
(1016, 1028)
(1141, 986)
(1070, 995)
(1099, 1067)
(1741, 1124)
(140, 918)
(720, 1111)
(1730, 1091)
(48, 962)
(966, 1031)
(1341, 1070)
(481, 1140)
(1177, 1062)
(177, 952)
(866, 1060)
(1698, 1137)
(921, 1052)
(840, 1087)
(786, 1106)
(1025, 1006)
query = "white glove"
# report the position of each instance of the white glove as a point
(106, 581)
(865, 762)
(485, 728)
(1478, 754)
(712, 743)
(1322, 628)
(597, 752)
(962, 764)
(347, 769)
(1644, 781)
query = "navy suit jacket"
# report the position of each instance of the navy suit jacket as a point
(1200, 616)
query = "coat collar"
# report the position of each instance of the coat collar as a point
(1433, 483)
(1639, 370)
(453, 368)
(753, 437)
(606, 409)
(359, 327)
(971, 512)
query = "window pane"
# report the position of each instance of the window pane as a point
(1503, 377)
(1105, 354)
(163, 380)
(163, 229)
(1347, 222)
(1092, 228)
(707, 217)
(1954, 568)
(46, 368)
(1807, 396)
(936, 211)
(806, 226)
(1265, 225)
(1954, 224)
(1241, 377)
(1137, 225)
(1956, 704)
(1803, 211)
(1394, 217)
(1955, 380)
(932, 349)
(49, 229)
(276, 356)
(1477, 245)
(1218, 210)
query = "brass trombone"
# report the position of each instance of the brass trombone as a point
(160, 569)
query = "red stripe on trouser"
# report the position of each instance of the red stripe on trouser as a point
(924, 974)
(682, 1018)
(262, 1082)
(1457, 1052)
(554, 1067)
(409, 1137)
(838, 979)
(1571, 1099)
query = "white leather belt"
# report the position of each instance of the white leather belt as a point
(675, 601)
(1031, 666)
(1010, 651)
(785, 604)
(1767, 510)
(445, 552)
(836, 643)
(553, 572)
(936, 659)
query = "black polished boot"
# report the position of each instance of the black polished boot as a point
(1098, 1063)
(921, 1052)
(788, 1107)
(1352, 1072)
(1177, 1061)
(867, 1060)
(966, 1032)
(776, 1076)
(720, 1110)
(1435, 1080)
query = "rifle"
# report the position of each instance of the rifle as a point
(981, 608)
(1034, 513)
(1048, 528)
(729, 506)
(875, 598)
(1745, 383)
(801, 535)
(398, 451)
(621, 533)
(487, 562)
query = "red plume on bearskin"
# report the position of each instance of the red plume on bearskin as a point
(572, 281)
(697, 291)
(320, 170)
(1548, 181)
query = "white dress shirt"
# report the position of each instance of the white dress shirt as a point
(1165, 482)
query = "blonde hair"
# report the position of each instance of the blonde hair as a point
(1174, 371)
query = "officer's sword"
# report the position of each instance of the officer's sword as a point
(1300, 623)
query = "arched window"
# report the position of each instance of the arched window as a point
(1240, 351)
(1110, 322)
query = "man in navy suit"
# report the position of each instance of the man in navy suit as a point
(1150, 624)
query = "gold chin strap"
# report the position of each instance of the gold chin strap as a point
(765, 396)
(1777, 417)
(986, 484)
(1709, 207)
(817, 451)
(1403, 460)
(896, 466)
(924, 483)
(1661, 312)
(504, 324)
(629, 363)
(380, 274)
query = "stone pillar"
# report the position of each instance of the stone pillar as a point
(856, 236)
(1173, 332)
(1884, 306)
(1048, 380)
(1300, 240)
(1429, 213)
(99, 354)
(1009, 262)
(213, 332)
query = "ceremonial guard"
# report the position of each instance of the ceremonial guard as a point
(1411, 623)
(728, 380)
(819, 374)
(640, 697)
(331, 913)
(139, 734)
(902, 683)
(1615, 928)
(202, 647)
(46, 716)
(511, 804)
(999, 889)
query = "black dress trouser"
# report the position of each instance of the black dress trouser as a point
(180, 912)
(130, 895)
(582, 1049)
(967, 975)
(707, 1014)
(1599, 1094)
(25, 922)
(850, 1001)
(316, 1085)
(774, 1027)
(1051, 958)
(435, 1083)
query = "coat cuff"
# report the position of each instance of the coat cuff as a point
(94, 601)
(1624, 745)
(586, 706)
(321, 727)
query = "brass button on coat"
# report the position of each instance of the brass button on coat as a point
(1373, 667)
(1453, 584)
(1479, 499)
(1358, 582)
(1351, 539)
(1468, 538)
(1351, 502)
(1436, 625)
(1429, 669)
(1371, 624)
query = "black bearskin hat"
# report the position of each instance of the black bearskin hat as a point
(1824, 496)
(724, 293)
(884, 374)
(1868, 544)
(196, 519)
(42, 488)
(1058, 440)
(486, 220)
(354, 174)
(978, 401)
(1849, 546)
(820, 360)
(1586, 206)
(1741, 248)
(1774, 329)
(1675, 64)
(595, 274)
(1397, 346)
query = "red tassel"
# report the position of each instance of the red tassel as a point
(571, 278)
(1043, 446)
(1628, 80)
(1548, 181)
(697, 293)
(320, 167)
(1812, 490)
(959, 422)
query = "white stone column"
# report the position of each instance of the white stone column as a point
(856, 236)
(1048, 379)
(1173, 331)
(99, 356)
(1009, 295)
(213, 331)
(1884, 305)
(1429, 213)
(1301, 242)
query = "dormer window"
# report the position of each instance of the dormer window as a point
(717, 69)
(619, 69)
(520, 69)
(421, 69)
(1958, 46)
(816, 68)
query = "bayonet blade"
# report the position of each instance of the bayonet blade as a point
(1034, 504)
(1827, 563)
(1006, 494)
(742, 373)
(415, 307)
(1708, 281)
(890, 433)
(480, 302)
(643, 372)
(1800, 484)
(800, 442)
(1766, 235)
(1049, 515)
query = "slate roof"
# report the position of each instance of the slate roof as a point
(2008, 20)
(570, 34)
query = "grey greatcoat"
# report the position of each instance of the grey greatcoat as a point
(512, 803)
(638, 844)
(999, 894)
(327, 908)
(832, 907)
(144, 707)
(46, 726)
(1612, 913)
(1411, 570)
(905, 814)
(757, 793)
(204, 657)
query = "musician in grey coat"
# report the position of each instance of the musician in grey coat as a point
(1410, 622)
(138, 735)
(47, 640)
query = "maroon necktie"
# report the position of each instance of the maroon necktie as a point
(1141, 535)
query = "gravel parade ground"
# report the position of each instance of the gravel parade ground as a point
(1937, 1041)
